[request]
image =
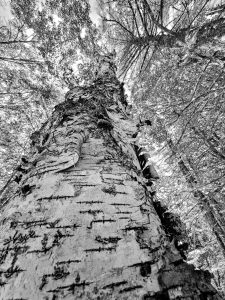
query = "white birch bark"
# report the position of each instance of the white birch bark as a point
(82, 224)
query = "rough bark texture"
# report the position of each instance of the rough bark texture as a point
(82, 224)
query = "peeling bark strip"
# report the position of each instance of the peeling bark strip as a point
(148, 170)
(81, 224)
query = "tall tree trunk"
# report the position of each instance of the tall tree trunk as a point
(81, 224)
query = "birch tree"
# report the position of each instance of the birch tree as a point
(81, 223)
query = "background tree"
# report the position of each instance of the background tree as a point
(186, 108)
(143, 29)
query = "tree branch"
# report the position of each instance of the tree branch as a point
(156, 22)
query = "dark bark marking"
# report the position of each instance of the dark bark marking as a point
(45, 250)
(16, 249)
(29, 224)
(70, 261)
(104, 124)
(70, 287)
(48, 225)
(81, 184)
(143, 158)
(59, 236)
(173, 227)
(101, 221)
(110, 190)
(128, 289)
(89, 202)
(4, 254)
(44, 281)
(150, 172)
(27, 189)
(75, 176)
(154, 249)
(74, 226)
(145, 267)
(149, 183)
(135, 228)
(21, 169)
(114, 284)
(120, 204)
(45, 138)
(40, 173)
(18, 178)
(11, 271)
(55, 198)
(17, 299)
(108, 240)
(59, 273)
(91, 212)
(19, 237)
(158, 296)
(100, 249)
(114, 181)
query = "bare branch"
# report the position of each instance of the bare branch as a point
(156, 22)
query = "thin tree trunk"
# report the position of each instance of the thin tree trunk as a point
(206, 203)
(203, 42)
(209, 32)
(81, 224)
